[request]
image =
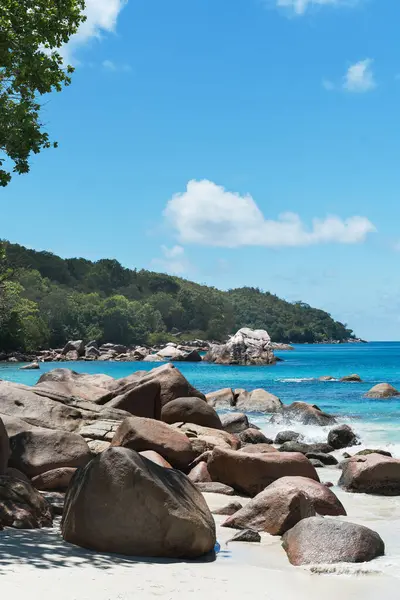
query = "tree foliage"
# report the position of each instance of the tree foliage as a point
(46, 300)
(31, 32)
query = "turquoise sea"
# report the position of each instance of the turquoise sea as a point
(377, 421)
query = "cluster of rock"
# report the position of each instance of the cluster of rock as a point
(149, 444)
(76, 350)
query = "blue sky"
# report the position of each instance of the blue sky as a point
(192, 126)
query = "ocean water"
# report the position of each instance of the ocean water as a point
(376, 421)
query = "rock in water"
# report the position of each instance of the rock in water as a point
(4, 448)
(190, 410)
(221, 398)
(253, 437)
(367, 451)
(305, 448)
(30, 367)
(21, 506)
(382, 390)
(301, 412)
(342, 436)
(287, 436)
(140, 434)
(123, 503)
(325, 459)
(246, 347)
(247, 535)
(352, 378)
(317, 541)
(259, 401)
(371, 474)
(251, 473)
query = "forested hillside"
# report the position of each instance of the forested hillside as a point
(46, 300)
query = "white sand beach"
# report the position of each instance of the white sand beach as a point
(40, 564)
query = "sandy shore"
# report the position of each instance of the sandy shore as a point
(39, 564)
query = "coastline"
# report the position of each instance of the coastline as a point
(24, 358)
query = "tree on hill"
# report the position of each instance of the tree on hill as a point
(46, 300)
(31, 32)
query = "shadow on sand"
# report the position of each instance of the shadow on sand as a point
(45, 549)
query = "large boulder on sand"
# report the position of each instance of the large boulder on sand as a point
(252, 473)
(4, 448)
(371, 474)
(323, 499)
(123, 503)
(382, 390)
(259, 401)
(21, 506)
(273, 511)
(38, 450)
(246, 347)
(285, 502)
(342, 436)
(190, 410)
(301, 412)
(137, 433)
(316, 540)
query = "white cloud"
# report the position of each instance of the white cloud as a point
(208, 214)
(300, 7)
(174, 260)
(102, 18)
(359, 77)
(109, 65)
